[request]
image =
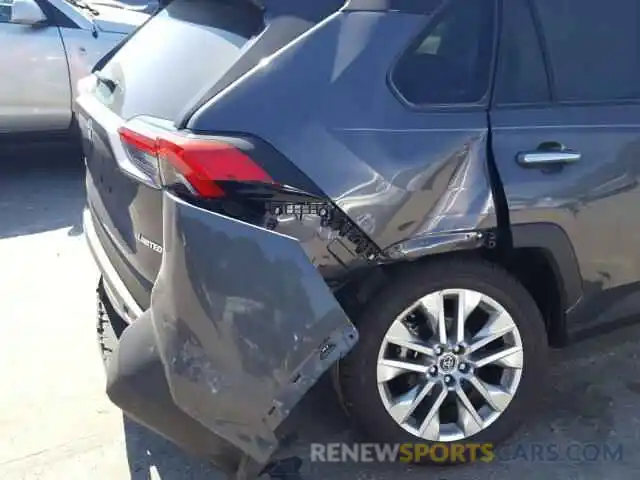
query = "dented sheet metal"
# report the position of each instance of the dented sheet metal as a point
(245, 324)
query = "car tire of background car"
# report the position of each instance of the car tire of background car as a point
(109, 326)
(358, 373)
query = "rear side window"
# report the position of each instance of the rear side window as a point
(522, 76)
(593, 47)
(451, 62)
(178, 54)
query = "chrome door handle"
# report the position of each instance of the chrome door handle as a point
(548, 158)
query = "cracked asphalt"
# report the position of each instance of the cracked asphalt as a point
(56, 422)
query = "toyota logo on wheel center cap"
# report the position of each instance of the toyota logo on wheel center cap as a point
(448, 362)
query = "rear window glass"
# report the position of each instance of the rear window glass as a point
(451, 62)
(179, 53)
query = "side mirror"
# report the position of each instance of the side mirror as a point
(26, 12)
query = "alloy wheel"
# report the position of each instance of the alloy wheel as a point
(449, 365)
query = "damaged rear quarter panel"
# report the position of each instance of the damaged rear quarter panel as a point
(414, 180)
(245, 324)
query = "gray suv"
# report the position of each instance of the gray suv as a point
(419, 197)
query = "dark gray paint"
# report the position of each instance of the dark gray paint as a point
(127, 208)
(593, 200)
(415, 181)
(245, 324)
(401, 175)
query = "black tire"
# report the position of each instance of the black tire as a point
(109, 325)
(357, 372)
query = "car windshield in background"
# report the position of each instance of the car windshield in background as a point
(5, 10)
(82, 5)
(143, 6)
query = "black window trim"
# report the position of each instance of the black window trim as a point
(544, 48)
(495, 104)
(483, 104)
(554, 102)
(55, 18)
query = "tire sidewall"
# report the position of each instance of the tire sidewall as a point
(358, 371)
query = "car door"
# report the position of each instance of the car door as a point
(566, 140)
(35, 91)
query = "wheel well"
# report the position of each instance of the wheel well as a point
(533, 267)
(536, 270)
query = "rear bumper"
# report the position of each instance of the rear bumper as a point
(121, 300)
(221, 358)
(136, 383)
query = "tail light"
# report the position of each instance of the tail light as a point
(198, 163)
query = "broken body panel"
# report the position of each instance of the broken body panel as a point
(405, 176)
(242, 320)
(242, 324)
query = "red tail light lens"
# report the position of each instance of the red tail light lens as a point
(197, 162)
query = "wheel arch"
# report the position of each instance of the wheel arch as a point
(539, 255)
(552, 240)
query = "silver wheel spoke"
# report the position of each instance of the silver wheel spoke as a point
(390, 369)
(435, 359)
(498, 326)
(510, 357)
(470, 420)
(430, 427)
(468, 301)
(433, 305)
(495, 397)
(400, 335)
(408, 402)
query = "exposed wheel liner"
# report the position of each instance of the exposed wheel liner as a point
(241, 323)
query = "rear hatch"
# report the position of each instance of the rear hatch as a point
(183, 56)
(235, 323)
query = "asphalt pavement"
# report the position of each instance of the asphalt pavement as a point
(56, 422)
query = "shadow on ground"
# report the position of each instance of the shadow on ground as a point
(148, 452)
(581, 405)
(41, 189)
(318, 418)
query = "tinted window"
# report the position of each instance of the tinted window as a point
(178, 54)
(522, 76)
(451, 62)
(593, 45)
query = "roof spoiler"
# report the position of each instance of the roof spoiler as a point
(404, 6)
(417, 6)
(301, 8)
(311, 7)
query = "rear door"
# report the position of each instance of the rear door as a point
(566, 136)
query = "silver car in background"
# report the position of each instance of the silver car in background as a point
(146, 6)
(46, 46)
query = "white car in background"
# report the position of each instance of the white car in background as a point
(46, 46)
(146, 6)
